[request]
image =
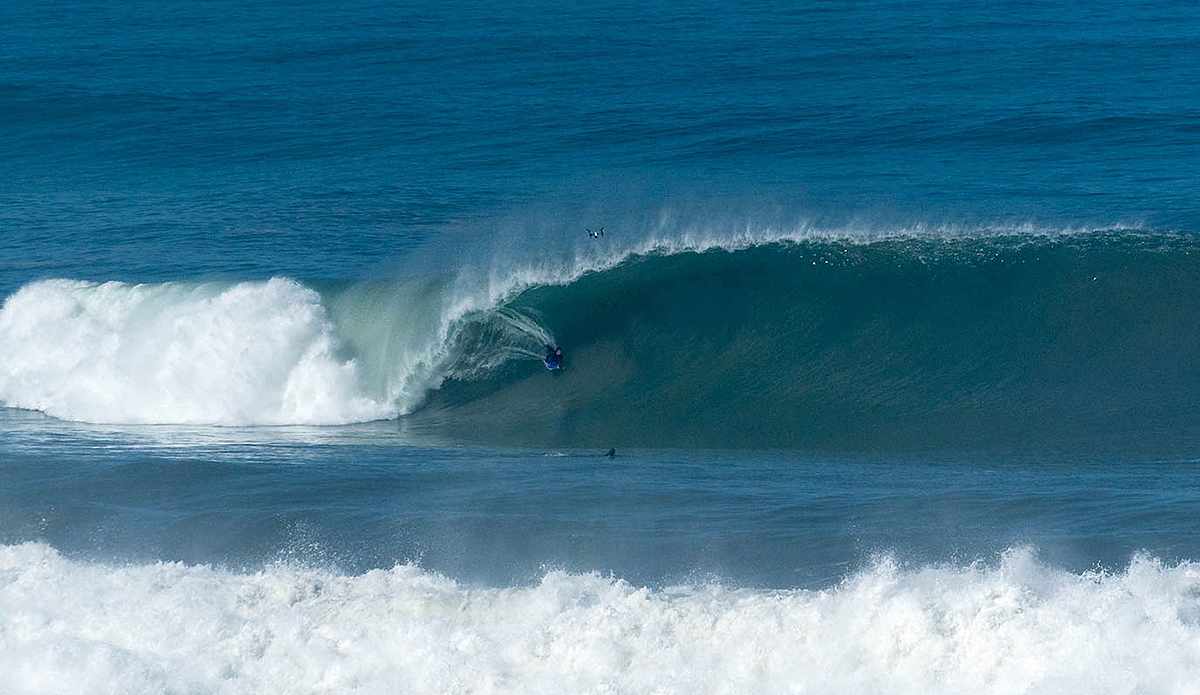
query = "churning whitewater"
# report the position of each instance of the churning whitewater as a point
(237, 354)
(1015, 627)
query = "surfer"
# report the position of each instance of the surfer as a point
(596, 234)
(553, 357)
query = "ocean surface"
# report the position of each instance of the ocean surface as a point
(894, 330)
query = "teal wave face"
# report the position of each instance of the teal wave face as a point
(833, 344)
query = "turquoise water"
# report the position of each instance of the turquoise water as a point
(892, 327)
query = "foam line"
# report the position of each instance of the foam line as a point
(1014, 627)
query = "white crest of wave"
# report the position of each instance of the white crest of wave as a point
(242, 354)
(1019, 627)
(507, 274)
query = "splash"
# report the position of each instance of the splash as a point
(1014, 627)
(246, 353)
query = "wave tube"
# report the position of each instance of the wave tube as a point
(817, 343)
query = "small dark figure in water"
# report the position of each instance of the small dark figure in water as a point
(553, 356)
(596, 235)
(611, 453)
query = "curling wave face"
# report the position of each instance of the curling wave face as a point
(751, 341)
(1015, 627)
(835, 342)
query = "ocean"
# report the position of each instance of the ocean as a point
(891, 331)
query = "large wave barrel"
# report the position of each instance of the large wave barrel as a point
(829, 343)
(909, 339)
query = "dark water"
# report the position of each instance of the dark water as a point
(892, 325)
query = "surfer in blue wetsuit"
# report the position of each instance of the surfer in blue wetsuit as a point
(553, 357)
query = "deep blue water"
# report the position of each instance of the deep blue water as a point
(244, 139)
(893, 327)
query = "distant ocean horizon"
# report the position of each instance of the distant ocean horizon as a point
(891, 330)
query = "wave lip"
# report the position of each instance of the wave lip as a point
(1018, 626)
(250, 353)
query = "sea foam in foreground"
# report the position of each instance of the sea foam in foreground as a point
(1017, 627)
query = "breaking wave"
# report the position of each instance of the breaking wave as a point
(763, 339)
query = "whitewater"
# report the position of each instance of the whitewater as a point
(1014, 627)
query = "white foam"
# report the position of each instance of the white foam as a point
(240, 354)
(507, 274)
(1019, 627)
